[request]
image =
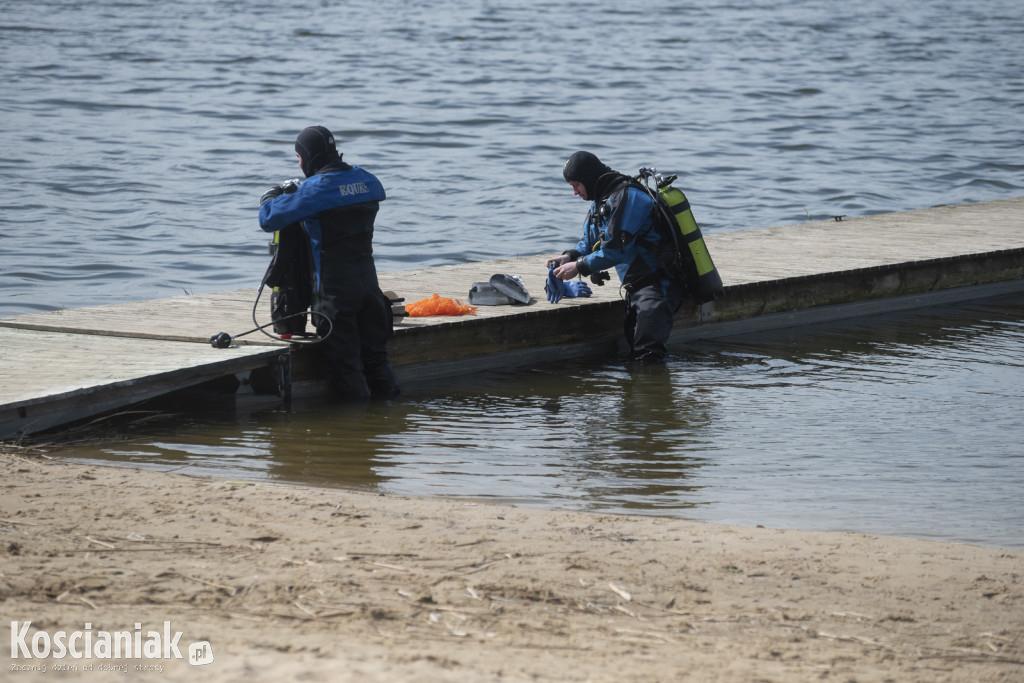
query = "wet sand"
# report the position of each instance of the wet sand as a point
(296, 583)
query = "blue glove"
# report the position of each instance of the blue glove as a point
(554, 287)
(576, 288)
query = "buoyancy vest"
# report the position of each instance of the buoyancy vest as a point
(622, 220)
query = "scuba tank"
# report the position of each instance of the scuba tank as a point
(292, 292)
(289, 275)
(691, 262)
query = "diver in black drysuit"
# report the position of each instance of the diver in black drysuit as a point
(336, 206)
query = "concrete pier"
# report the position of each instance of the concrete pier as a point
(68, 365)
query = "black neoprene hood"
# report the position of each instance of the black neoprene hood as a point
(315, 146)
(586, 168)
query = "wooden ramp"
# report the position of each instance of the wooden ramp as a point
(54, 378)
(62, 366)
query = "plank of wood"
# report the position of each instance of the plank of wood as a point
(40, 365)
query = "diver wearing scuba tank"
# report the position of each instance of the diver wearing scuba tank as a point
(620, 232)
(336, 207)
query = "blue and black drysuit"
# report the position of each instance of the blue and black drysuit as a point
(620, 231)
(336, 208)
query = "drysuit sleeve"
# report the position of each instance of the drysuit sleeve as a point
(321, 193)
(282, 211)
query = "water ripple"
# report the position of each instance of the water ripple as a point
(123, 118)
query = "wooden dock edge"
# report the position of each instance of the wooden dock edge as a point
(502, 338)
(469, 345)
(256, 372)
(854, 293)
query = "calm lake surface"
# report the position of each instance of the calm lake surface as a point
(136, 139)
(906, 424)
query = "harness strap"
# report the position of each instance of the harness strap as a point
(644, 281)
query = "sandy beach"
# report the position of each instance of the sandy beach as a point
(294, 583)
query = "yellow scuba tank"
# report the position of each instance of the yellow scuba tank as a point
(694, 260)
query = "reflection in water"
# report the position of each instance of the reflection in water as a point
(330, 448)
(906, 424)
(565, 435)
(644, 439)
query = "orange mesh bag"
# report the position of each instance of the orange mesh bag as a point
(438, 305)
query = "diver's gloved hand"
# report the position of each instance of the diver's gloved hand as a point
(287, 187)
(575, 288)
(275, 191)
(554, 287)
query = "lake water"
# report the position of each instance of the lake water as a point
(907, 424)
(136, 139)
